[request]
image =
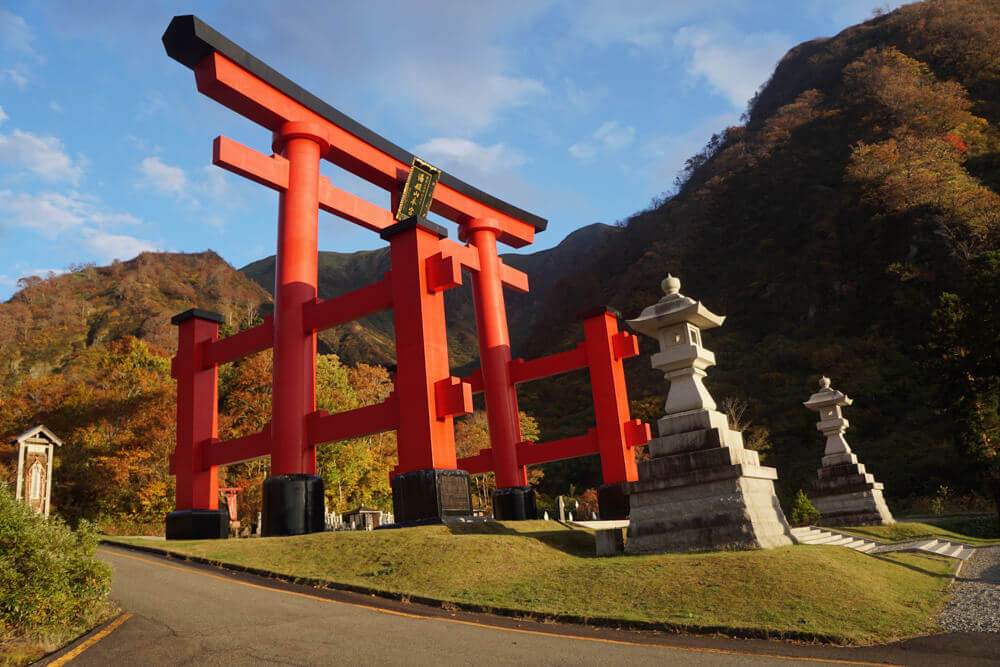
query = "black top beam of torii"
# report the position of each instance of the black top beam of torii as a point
(189, 40)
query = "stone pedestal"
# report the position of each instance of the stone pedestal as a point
(197, 525)
(700, 490)
(844, 493)
(430, 496)
(292, 505)
(514, 503)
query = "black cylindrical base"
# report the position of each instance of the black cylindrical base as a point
(515, 503)
(430, 496)
(612, 501)
(292, 505)
(197, 525)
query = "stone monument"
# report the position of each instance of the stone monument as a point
(700, 490)
(36, 448)
(845, 494)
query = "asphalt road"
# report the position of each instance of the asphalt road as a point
(190, 614)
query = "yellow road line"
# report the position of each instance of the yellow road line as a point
(111, 627)
(488, 626)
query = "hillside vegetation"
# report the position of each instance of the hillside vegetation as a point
(849, 228)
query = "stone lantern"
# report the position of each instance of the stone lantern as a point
(676, 321)
(844, 492)
(701, 489)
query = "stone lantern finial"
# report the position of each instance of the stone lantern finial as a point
(671, 285)
(824, 382)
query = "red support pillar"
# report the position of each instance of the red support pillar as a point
(428, 485)
(513, 499)
(617, 433)
(293, 496)
(295, 276)
(197, 512)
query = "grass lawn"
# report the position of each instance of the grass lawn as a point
(977, 531)
(546, 569)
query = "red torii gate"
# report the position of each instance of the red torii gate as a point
(427, 483)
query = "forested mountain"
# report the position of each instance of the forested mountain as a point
(827, 227)
(850, 227)
(52, 320)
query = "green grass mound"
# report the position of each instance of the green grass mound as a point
(546, 569)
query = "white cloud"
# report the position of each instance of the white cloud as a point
(117, 246)
(735, 65)
(493, 169)
(53, 213)
(609, 137)
(447, 65)
(463, 153)
(164, 178)
(3, 115)
(50, 213)
(17, 44)
(42, 155)
(16, 35)
(55, 106)
(639, 23)
(14, 76)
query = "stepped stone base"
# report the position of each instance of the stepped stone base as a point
(702, 491)
(846, 495)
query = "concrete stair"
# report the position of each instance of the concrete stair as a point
(835, 538)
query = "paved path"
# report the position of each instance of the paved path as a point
(190, 614)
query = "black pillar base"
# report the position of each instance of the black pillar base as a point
(515, 503)
(292, 505)
(197, 525)
(612, 501)
(430, 495)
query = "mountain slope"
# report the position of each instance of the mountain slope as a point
(51, 321)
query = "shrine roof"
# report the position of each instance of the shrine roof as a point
(36, 433)
(189, 40)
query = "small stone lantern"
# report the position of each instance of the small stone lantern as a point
(844, 492)
(827, 402)
(677, 321)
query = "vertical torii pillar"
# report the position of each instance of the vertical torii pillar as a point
(513, 498)
(844, 493)
(293, 494)
(197, 515)
(429, 486)
(700, 490)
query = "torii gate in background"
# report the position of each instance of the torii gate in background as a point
(429, 482)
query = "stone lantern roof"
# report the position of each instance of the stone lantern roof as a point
(827, 397)
(673, 308)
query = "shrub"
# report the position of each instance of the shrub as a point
(49, 578)
(803, 512)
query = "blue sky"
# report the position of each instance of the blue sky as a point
(580, 111)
